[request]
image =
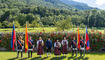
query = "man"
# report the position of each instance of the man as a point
(64, 46)
(82, 46)
(40, 45)
(57, 46)
(48, 46)
(74, 46)
(20, 46)
(30, 46)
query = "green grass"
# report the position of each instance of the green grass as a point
(40, 29)
(47, 29)
(90, 56)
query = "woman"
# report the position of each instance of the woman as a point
(40, 45)
(64, 46)
(57, 46)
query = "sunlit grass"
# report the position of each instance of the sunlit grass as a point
(47, 29)
(89, 56)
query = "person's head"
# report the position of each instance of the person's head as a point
(57, 40)
(48, 38)
(64, 38)
(30, 38)
(81, 37)
(40, 38)
(20, 37)
(74, 38)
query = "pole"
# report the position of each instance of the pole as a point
(84, 42)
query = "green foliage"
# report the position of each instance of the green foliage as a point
(96, 39)
(30, 10)
(35, 24)
(63, 24)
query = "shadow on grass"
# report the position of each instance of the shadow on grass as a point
(36, 58)
(58, 58)
(78, 58)
(18, 58)
(13, 58)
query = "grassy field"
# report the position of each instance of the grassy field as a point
(46, 29)
(90, 56)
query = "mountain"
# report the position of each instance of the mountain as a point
(60, 4)
(78, 5)
(49, 3)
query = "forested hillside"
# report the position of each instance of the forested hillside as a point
(21, 11)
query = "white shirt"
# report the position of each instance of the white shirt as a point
(39, 41)
(65, 41)
(58, 44)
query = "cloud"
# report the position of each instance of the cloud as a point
(100, 2)
(94, 3)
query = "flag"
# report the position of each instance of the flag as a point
(87, 40)
(26, 40)
(13, 38)
(78, 39)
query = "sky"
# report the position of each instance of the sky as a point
(94, 3)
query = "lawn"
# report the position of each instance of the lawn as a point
(90, 56)
(46, 30)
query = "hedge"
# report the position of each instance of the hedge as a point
(96, 39)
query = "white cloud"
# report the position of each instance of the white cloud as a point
(100, 2)
(94, 3)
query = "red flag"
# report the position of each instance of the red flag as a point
(13, 38)
(78, 39)
(26, 40)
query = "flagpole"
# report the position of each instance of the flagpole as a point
(77, 38)
(84, 41)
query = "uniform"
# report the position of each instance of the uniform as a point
(82, 47)
(64, 46)
(49, 45)
(40, 47)
(57, 49)
(20, 46)
(74, 47)
(30, 47)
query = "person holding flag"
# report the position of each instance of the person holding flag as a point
(40, 44)
(82, 46)
(64, 46)
(74, 46)
(20, 46)
(30, 46)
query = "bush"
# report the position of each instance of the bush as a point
(96, 39)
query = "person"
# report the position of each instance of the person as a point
(64, 46)
(40, 44)
(20, 46)
(57, 46)
(74, 46)
(48, 46)
(30, 46)
(82, 46)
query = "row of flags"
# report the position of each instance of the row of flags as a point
(86, 39)
(13, 40)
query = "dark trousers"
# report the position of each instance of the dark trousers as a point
(29, 53)
(18, 53)
(49, 50)
(74, 51)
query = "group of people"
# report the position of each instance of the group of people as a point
(59, 47)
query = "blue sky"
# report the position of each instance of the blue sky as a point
(94, 3)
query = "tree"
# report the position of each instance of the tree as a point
(35, 24)
(63, 24)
